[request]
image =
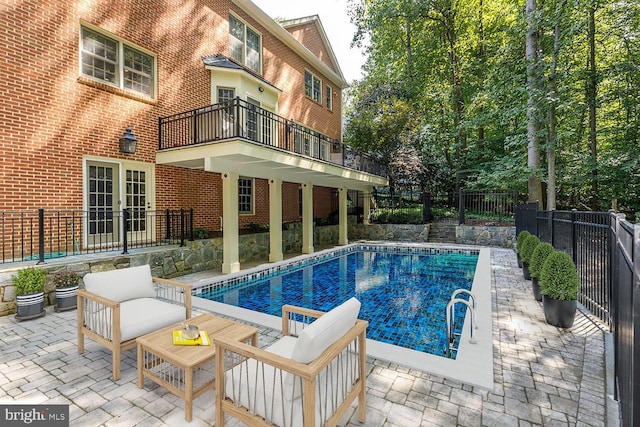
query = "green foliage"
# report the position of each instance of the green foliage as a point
(66, 279)
(200, 233)
(520, 240)
(559, 278)
(257, 228)
(528, 246)
(29, 280)
(540, 254)
(398, 216)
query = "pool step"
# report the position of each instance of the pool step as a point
(442, 232)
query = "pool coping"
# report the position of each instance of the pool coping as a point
(474, 362)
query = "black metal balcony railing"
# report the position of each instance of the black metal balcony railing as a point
(240, 119)
(37, 235)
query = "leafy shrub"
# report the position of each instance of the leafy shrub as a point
(29, 280)
(528, 246)
(257, 228)
(540, 254)
(520, 240)
(66, 279)
(200, 233)
(559, 277)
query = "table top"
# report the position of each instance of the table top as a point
(161, 344)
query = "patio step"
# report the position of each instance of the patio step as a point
(442, 232)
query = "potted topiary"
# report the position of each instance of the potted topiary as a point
(559, 285)
(528, 246)
(519, 241)
(66, 284)
(540, 254)
(29, 283)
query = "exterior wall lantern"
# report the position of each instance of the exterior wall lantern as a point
(128, 142)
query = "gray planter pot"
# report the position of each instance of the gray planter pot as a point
(535, 287)
(519, 260)
(525, 270)
(559, 313)
(30, 306)
(66, 299)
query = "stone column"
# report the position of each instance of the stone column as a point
(275, 220)
(342, 216)
(307, 218)
(230, 259)
(366, 199)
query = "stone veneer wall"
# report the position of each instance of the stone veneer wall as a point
(206, 254)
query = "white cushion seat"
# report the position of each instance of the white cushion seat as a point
(144, 315)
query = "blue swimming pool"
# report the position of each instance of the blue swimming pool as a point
(403, 292)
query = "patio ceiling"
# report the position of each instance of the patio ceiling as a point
(260, 161)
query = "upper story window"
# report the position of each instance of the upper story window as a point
(245, 44)
(116, 63)
(328, 100)
(312, 86)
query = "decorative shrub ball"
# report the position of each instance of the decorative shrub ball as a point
(528, 246)
(520, 239)
(559, 277)
(540, 254)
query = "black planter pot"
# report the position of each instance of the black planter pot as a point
(519, 260)
(559, 313)
(525, 270)
(535, 287)
(66, 299)
(30, 306)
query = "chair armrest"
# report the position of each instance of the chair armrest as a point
(289, 321)
(99, 315)
(174, 291)
(83, 293)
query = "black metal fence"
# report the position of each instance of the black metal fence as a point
(238, 118)
(39, 234)
(467, 207)
(606, 251)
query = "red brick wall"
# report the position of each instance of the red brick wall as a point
(50, 117)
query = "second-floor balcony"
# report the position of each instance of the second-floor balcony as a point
(236, 133)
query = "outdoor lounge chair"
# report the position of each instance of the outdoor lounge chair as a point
(118, 306)
(309, 380)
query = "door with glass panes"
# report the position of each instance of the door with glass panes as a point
(111, 188)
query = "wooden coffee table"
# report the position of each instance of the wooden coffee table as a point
(187, 371)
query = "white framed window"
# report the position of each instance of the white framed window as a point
(107, 59)
(312, 86)
(245, 44)
(328, 99)
(245, 195)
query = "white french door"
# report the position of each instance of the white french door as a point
(111, 187)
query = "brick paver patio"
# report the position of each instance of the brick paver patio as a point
(543, 375)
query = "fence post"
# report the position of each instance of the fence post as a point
(191, 225)
(159, 133)
(237, 117)
(461, 208)
(167, 219)
(41, 236)
(426, 207)
(125, 228)
(181, 227)
(574, 243)
(551, 224)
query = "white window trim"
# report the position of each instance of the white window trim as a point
(321, 99)
(120, 71)
(253, 196)
(246, 25)
(329, 93)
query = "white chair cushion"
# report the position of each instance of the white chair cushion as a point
(144, 315)
(121, 285)
(324, 331)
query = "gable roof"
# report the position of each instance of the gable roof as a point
(313, 22)
(277, 30)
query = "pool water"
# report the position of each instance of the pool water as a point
(403, 295)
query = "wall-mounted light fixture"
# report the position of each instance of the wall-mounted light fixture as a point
(128, 142)
(261, 89)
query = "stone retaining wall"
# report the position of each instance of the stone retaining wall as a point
(206, 254)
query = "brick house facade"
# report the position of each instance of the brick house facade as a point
(61, 118)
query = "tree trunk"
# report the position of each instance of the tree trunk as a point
(551, 142)
(592, 93)
(533, 125)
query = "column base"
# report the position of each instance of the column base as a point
(232, 267)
